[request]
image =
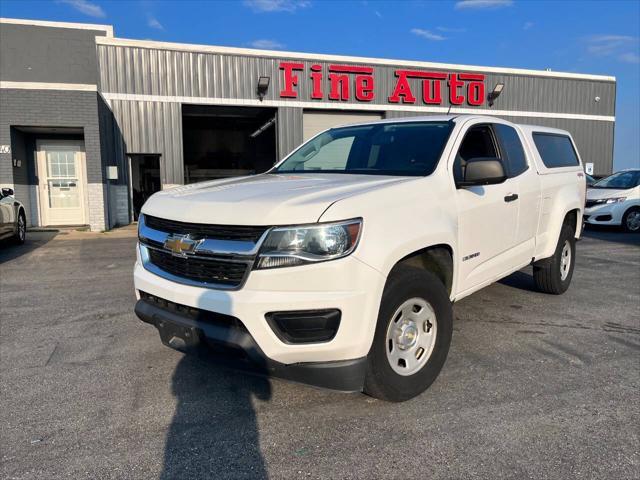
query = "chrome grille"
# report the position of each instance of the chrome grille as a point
(220, 232)
(211, 256)
(200, 269)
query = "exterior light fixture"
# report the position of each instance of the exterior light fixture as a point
(263, 86)
(497, 90)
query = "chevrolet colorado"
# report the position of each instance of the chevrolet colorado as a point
(339, 266)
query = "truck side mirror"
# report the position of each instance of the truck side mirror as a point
(483, 171)
(7, 192)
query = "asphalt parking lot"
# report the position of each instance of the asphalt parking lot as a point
(536, 386)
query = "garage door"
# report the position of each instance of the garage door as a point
(315, 122)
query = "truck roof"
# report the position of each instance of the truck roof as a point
(457, 118)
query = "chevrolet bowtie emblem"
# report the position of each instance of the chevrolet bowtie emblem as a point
(181, 244)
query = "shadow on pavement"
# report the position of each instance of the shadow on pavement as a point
(10, 251)
(612, 234)
(520, 280)
(214, 433)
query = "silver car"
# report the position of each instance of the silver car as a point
(13, 220)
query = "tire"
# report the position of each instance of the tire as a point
(631, 220)
(20, 234)
(415, 289)
(554, 274)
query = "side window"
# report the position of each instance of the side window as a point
(477, 142)
(516, 160)
(555, 150)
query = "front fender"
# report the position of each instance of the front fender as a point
(399, 221)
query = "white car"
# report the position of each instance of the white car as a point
(13, 220)
(615, 200)
(339, 266)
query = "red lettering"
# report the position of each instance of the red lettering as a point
(339, 87)
(402, 90)
(469, 87)
(364, 88)
(475, 88)
(350, 69)
(290, 79)
(340, 83)
(432, 92)
(432, 88)
(316, 78)
(454, 84)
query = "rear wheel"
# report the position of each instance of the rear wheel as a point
(412, 336)
(554, 274)
(631, 220)
(20, 234)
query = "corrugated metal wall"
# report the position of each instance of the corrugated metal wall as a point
(289, 124)
(154, 124)
(153, 127)
(146, 71)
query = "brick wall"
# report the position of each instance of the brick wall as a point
(54, 108)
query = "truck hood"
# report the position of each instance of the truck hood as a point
(598, 193)
(267, 199)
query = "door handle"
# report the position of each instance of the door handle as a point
(512, 197)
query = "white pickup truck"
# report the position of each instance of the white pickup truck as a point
(340, 265)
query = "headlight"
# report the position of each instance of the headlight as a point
(291, 246)
(606, 201)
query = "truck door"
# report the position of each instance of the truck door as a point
(487, 215)
(522, 171)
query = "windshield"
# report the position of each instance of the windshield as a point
(621, 180)
(406, 148)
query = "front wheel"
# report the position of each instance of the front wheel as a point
(631, 220)
(21, 229)
(554, 274)
(412, 336)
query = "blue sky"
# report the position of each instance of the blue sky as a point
(586, 37)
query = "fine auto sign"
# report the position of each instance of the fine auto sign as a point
(347, 81)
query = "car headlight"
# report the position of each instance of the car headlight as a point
(606, 201)
(300, 245)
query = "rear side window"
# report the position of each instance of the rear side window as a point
(516, 160)
(555, 150)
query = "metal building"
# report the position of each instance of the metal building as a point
(91, 124)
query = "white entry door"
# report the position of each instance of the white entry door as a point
(62, 182)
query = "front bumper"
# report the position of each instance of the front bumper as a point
(189, 331)
(347, 284)
(610, 214)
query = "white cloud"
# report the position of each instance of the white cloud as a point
(629, 57)
(266, 44)
(154, 23)
(614, 46)
(479, 4)
(451, 30)
(86, 7)
(276, 5)
(528, 25)
(605, 45)
(429, 35)
(378, 14)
